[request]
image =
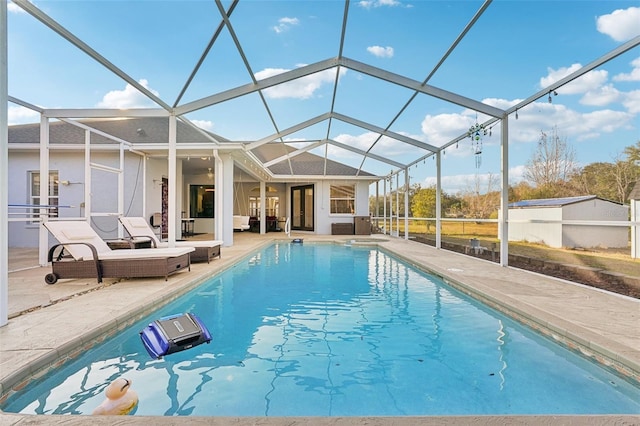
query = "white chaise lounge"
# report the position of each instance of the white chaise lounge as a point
(83, 254)
(241, 223)
(205, 250)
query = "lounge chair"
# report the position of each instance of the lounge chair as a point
(83, 254)
(241, 223)
(205, 250)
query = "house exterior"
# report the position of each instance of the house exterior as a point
(107, 168)
(540, 221)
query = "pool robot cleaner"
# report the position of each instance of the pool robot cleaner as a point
(174, 333)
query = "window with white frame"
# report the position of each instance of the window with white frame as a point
(34, 193)
(342, 199)
(272, 207)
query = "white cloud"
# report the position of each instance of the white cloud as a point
(301, 88)
(440, 129)
(381, 52)
(130, 97)
(632, 102)
(575, 125)
(203, 124)
(284, 24)
(368, 4)
(589, 81)
(621, 24)
(601, 96)
(634, 75)
(21, 115)
(14, 8)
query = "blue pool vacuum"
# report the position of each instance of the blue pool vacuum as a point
(174, 333)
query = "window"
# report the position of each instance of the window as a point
(201, 201)
(34, 193)
(342, 199)
(271, 209)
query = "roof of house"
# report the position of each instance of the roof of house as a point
(551, 202)
(140, 131)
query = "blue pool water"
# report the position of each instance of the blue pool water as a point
(328, 330)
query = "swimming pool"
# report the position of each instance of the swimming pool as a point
(322, 329)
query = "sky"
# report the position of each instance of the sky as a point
(514, 50)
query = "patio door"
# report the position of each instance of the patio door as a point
(302, 208)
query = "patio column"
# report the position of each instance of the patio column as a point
(263, 206)
(438, 200)
(217, 195)
(384, 205)
(406, 203)
(503, 214)
(4, 174)
(43, 235)
(172, 215)
(226, 211)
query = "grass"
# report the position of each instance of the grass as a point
(614, 259)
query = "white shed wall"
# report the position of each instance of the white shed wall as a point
(592, 235)
(558, 235)
(545, 233)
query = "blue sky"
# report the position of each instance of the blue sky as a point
(515, 49)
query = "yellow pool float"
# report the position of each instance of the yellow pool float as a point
(121, 399)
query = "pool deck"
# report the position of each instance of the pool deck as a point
(49, 323)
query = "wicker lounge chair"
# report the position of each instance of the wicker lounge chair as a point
(83, 254)
(205, 250)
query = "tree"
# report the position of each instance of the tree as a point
(481, 199)
(552, 165)
(611, 181)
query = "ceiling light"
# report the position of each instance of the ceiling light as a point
(210, 174)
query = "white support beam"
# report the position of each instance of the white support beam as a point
(294, 154)
(104, 113)
(29, 7)
(4, 172)
(503, 214)
(420, 87)
(406, 204)
(259, 85)
(88, 205)
(43, 234)
(172, 215)
(367, 154)
(293, 129)
(438, 200)
(377, 129)
(25, 104)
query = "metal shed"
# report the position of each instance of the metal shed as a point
(583, 221)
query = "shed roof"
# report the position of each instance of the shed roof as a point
(551, 202)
